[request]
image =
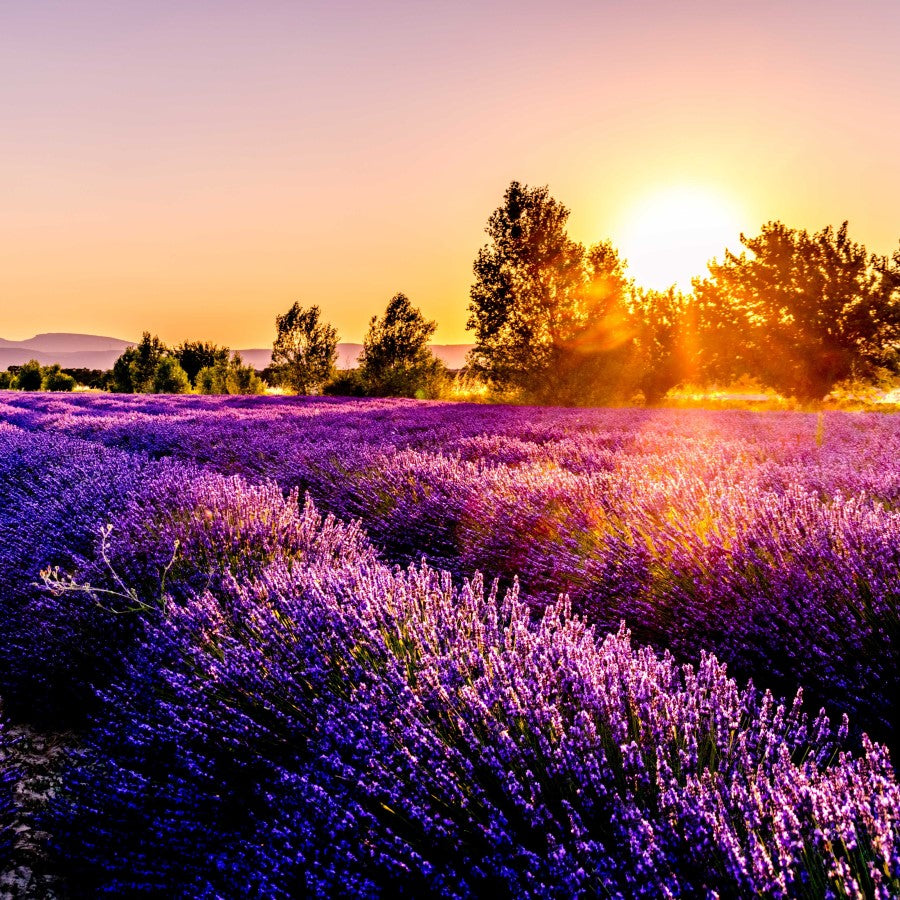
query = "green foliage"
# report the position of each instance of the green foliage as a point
(170, 378)
(305, 349)
(229, 376)
(6, 380)
(193, 356)
(148, 368)
(345, 383)
(396, 360)
(29, 377)
(662, 322)
(90, 378)
(148, 354)
(552, 321)
(54, 379)
(802, 312)
(120, 381)
(133, 371)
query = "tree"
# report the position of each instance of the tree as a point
(346, 383)
(6, 380)
(305, 349)
(148, 368)
(120, 376)
(662, 322)
(169, 377)
(193, 356)
(29, 377)
(801, 313)
(551, 320)
(134, 370)
(396, 360)
(54, 379)
(148, 354)
(90, 378)
(230, 376)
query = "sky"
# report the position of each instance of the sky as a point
(193, 168)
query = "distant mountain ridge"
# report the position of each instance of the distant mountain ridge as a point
(94, 351)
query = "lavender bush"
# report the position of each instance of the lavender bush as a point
(55, 495)
(276, 711)
(140, 533)
(338, 727)
(770, 538)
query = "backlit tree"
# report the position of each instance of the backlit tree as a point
(305, 349)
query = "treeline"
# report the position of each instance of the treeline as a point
(32, 376)
(396, 361)
(556, 322)
(150, 367)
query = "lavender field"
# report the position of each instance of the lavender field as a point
(310, 647)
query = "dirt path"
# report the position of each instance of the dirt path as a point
(39, 758)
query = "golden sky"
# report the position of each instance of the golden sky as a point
(194, 168)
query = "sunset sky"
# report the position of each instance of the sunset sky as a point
(193, 168)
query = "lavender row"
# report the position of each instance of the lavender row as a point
(258, 437)
(326, 725)
(131, 528)
(281, 714)
(769, 538)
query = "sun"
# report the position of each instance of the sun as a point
(670, 234)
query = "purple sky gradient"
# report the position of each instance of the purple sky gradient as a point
(193, 168)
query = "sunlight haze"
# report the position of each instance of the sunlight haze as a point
(670, 235)
(193, 169)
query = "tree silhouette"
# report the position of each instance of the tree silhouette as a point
(29, 376)
(801, 313)
(396, 360)
(551, 320)
(193, 356)
(148, 368)
(664, 345)
(305, 349)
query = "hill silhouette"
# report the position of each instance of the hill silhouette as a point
(94, 351)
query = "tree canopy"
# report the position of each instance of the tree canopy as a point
(229, 376)
(193, 356)
(552, 320)
(396, 360)
(557, 323)
(148, 368)
(305, 349)
(29, 377)
(799, 311)
(54, 379)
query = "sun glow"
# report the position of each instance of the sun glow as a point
(670, 235)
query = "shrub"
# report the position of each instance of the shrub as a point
(112, 532)
(29, 376)
(54, 379)
(230, 376)
(56, 493)
(170, 378)
(346, 383)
